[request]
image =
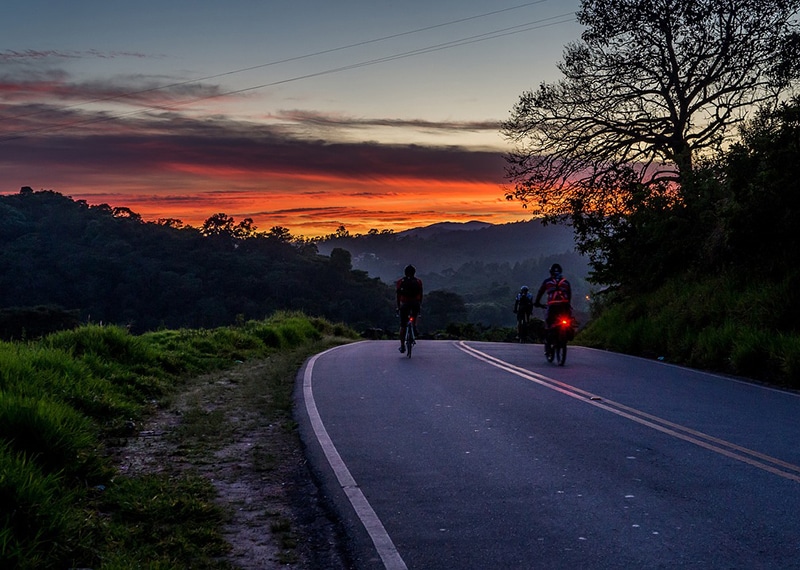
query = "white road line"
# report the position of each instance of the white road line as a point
(380, 538)
(754, 458)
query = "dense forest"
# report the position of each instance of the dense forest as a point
(65, 261)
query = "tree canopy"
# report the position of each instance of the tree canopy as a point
(651, 87)
(105, 264)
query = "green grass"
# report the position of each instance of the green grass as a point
(65, 397)
(166, 521)
(721, 323)
(39, 524)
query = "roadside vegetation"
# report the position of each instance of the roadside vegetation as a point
(713, 282)
(68, 400)
(722, 322)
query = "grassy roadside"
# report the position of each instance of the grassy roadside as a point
(72, 403)
(723, 322)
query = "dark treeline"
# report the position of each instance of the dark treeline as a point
(105, 264)
(739, 216)
(713, 281)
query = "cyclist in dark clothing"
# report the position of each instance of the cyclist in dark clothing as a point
(523, 308)
(409, 300)
(559, 295)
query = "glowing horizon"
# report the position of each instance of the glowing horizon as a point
(391, 205)
(309, 120)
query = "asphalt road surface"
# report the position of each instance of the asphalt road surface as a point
(484, 456)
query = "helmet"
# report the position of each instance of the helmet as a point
(410, 271)
(555, 269)
(523, 289)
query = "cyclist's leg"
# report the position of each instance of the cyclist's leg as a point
(557, 311)
(414, 311)
(404, 311)
(548, 329)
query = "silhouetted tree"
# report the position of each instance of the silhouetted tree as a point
(61, 252)
(218, 224)
(650, 87)
(170, 222)
(280, 233)
(442, 308)
(341, 259)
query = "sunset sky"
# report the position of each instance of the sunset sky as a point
(305, 114)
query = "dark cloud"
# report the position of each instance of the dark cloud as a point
(30, 55)
(54, 87)
(151, 141)
(328, 120)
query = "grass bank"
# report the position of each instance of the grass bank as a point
(726, 323)
(68, 399)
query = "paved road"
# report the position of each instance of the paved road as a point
(484, 456)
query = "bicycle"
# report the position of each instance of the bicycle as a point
(411, 338)
(556, 337)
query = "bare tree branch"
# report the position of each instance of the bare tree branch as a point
(653, 86)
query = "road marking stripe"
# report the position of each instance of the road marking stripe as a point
(377, 532)
(726, 448)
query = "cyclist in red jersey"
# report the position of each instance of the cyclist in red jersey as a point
(559, 295)
(409, 300)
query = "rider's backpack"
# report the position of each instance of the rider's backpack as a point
(558, 294)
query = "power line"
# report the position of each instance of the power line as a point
(520, 28)
(286, 60)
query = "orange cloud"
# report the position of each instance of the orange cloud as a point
(322, 207)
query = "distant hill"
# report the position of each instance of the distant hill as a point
(443, 227)
(484, 263)
(447, 246)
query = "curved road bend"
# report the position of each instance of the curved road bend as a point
(482, 456)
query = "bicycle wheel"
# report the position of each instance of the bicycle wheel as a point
(549, 347)
(409, 340)
(561, 353)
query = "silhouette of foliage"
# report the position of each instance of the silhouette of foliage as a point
(107, 265)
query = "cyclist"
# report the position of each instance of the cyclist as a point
(409, 300)
(559, 296)
(523, 307)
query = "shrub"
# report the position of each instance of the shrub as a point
(712, 348)
(53, 435)
(719, 322)
(38, 521)
(107, 343)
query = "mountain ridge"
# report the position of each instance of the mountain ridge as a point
(448, 245)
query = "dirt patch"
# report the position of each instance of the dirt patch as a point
(220, 427)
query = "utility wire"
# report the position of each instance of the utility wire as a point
(520, 28)
(282, 61)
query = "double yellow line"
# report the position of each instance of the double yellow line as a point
(726, 448)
